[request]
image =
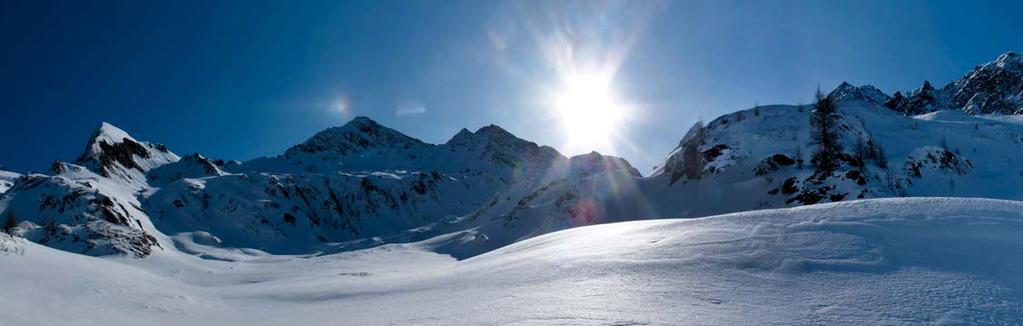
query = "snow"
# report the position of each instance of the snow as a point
(883, 261)
(7, 180)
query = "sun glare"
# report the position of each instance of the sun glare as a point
(588, 111)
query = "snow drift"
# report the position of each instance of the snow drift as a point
(883, 261)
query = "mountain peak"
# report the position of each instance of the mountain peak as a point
(847, 92)
(362, 118)
(463, 136)
(493, 129)
(363, 121)
(361, 133)
(109, 133)
(927, 86)
(113, 152)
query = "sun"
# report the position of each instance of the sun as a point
(588, 111)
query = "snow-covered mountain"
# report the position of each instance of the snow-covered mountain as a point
(994, 87)
(362, 184)
(354, 182)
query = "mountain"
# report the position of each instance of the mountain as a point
(354, 182)
(359, 137)
(363, 185)
(91, 206)
(994, 87)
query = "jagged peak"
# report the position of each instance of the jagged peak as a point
(463, 136)
(927, 87)
(1009, 60)
(846, 86)
(110, 145)
(848, 92)
(486, 133)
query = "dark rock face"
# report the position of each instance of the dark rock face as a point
(773, 163)
(121, 153)
(941, 160)
(920, 101)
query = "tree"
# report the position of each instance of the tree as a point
(824, 135)
(879, 156)
(861, 152)
(10, 222)
(799, 157)
(756, 109)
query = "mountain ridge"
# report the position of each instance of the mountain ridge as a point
(363, 184)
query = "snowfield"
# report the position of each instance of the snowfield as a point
(877, 261)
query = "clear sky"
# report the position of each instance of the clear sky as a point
(241, 79)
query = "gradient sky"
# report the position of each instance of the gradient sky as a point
(241, 79)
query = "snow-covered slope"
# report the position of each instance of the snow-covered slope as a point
(79, 211)
(887, 261)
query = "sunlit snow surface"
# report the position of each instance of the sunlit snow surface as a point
(885, 261)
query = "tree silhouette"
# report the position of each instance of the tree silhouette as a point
(823, 134)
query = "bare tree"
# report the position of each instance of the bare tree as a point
(10, 222)
(824, 135)
(799, 157)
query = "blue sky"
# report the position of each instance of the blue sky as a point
(241, 79)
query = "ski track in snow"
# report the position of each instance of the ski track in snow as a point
(883, 261)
